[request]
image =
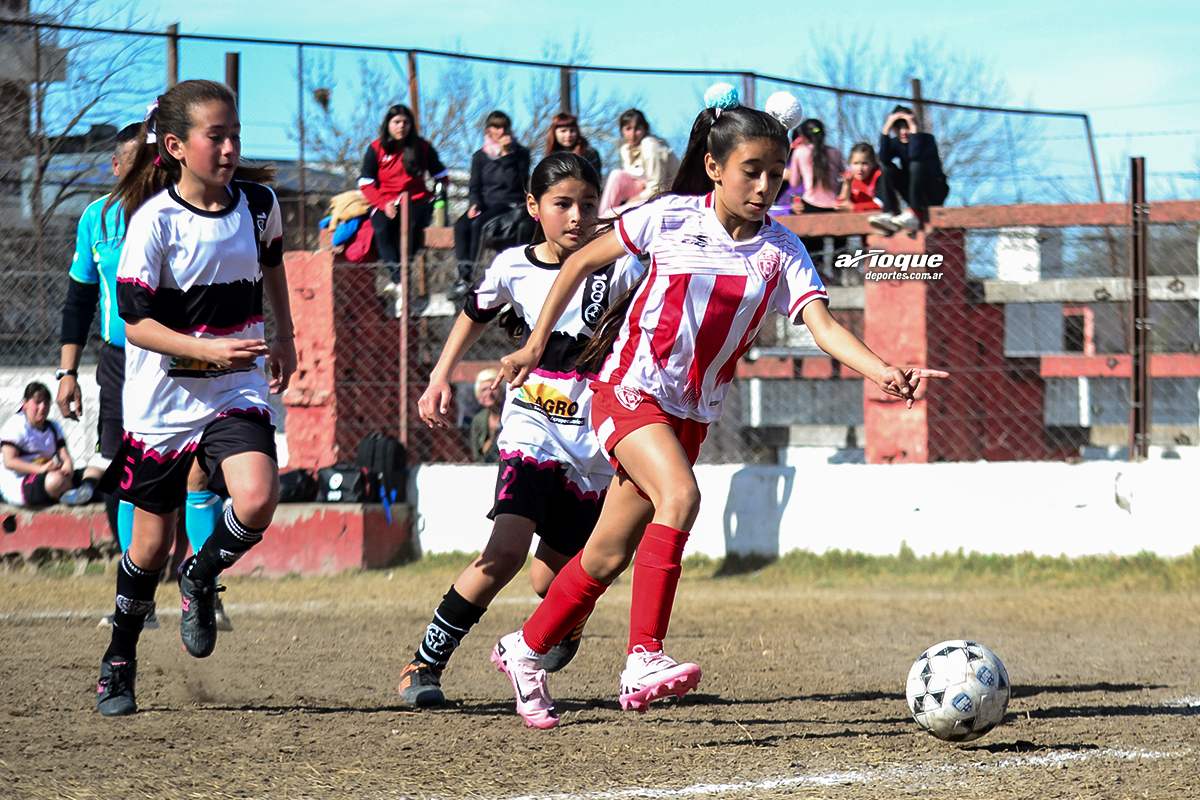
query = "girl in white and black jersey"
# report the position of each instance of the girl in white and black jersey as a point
(203, 242)
(552, 476)
(718, 265)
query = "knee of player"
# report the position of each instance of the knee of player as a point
(680, 502)
(255, 504)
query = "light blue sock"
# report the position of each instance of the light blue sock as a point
(124, 525)
(200, 517)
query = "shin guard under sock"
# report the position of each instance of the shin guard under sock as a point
(656, 571)
(200, 517)
(135, 601)
(572, 596)
(452, 620)
(124, 524)
(229, 541)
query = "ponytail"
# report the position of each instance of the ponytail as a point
(813, 130)
(591, 358)
(153, 168)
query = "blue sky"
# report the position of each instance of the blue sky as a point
(1131, 66)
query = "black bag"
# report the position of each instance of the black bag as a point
(297, 486)
(386, 463)
(342, 483)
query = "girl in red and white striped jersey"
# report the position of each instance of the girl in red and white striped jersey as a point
(718, 264)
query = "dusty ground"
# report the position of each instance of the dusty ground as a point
(802, 697)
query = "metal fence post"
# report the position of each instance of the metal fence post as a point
(1139, 373)
(414, 90)
(564, 91)
(301, 220)
(172, 54)
(233, 73)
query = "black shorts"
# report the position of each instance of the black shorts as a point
(110, 375)
(157, 482)
(540, 492)
(33, 489)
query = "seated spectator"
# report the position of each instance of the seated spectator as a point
(648, 167)
(395, 163)
(918, 179)
(858, 184)
(499, 179)
(485, 425)
(564, 135)
(817, 167)
(37, 468)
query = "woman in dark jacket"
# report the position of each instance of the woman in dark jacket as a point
(499, 180)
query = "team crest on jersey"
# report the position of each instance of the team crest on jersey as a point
(768, 263)
(629, 397)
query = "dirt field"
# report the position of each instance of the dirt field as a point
(802, 696)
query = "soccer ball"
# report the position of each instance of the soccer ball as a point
(958, 690)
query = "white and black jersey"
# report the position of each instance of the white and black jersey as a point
(547, 419)
(32, 446)
(196, 272)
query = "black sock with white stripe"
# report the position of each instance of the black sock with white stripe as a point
(135, 601)
(229, 541)
(452, 621)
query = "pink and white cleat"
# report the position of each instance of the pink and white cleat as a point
(650, 676)
(528, 681)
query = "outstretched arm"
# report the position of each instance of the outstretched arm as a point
(515, 368)
(849, 349)
(435, 401)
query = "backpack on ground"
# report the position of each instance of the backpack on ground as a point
(342, 483)
(297, 486)
(386, 462)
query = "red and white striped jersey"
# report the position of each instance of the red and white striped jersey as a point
(703, 301)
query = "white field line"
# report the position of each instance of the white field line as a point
(168, 607)
(888, 775)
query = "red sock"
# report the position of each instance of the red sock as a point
(572, 596)
(656, 570)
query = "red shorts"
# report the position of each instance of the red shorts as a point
(618, 411)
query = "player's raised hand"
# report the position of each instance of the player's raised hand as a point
(903, 384)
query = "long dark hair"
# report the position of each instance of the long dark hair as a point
(409, 147)
(565, 120)
(714, 135)
(153, 168)
(813, 131)
(550, 171)
(719, 136)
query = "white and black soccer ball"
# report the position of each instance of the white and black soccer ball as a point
(958, 690)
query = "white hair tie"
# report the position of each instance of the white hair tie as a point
(151, 132)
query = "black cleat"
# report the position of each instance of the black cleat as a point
(421, 685)
(198, 622)
(114, 696)
(561, 654)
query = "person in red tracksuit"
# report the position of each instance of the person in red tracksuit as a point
(395, 163)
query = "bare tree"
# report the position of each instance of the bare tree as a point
(984, 154)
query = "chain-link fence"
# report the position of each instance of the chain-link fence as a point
(312, 108)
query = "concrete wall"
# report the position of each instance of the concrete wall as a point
(1047, 508)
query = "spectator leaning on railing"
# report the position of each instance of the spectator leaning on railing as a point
(499, 177)
(395, 163)
(918, 179)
